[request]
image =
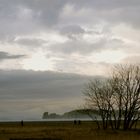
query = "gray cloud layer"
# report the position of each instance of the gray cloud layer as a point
(20, 16)
(22, 84)
(26, 18)
(28, 90)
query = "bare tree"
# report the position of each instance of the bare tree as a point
(118, 98)
(128, 94)
(98, 97)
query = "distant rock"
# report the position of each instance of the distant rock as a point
(81, 113)
(46, 115)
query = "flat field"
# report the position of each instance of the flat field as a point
(61, 130)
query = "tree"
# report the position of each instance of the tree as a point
(117, 98)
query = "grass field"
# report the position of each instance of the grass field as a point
(61, 131)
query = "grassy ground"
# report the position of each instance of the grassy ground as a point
(61, 131)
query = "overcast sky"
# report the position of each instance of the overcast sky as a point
(40, 37)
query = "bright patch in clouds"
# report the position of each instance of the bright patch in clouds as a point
(110, 56)
(37, 62)
(53, 38)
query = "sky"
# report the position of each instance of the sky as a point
(50, 48)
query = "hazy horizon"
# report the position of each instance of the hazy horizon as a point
(29, 94)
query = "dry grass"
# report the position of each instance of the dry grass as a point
(62, 131)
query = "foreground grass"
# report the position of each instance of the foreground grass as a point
(61, 131)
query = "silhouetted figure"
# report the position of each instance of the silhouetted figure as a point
(74, 122)
(79, 122)
(21, 122)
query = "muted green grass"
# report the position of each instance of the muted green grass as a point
(62, 131)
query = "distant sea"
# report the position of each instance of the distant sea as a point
(41, 120)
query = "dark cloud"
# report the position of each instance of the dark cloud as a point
(27, 17)
(48, 11)
(5, 55)
(74, 46)
(111, 12)
(36, 85)
(72, 29)
(30, 42)
(27, 94)
(73, 32)
(44, 12)
(81, 46)
(105, 4)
